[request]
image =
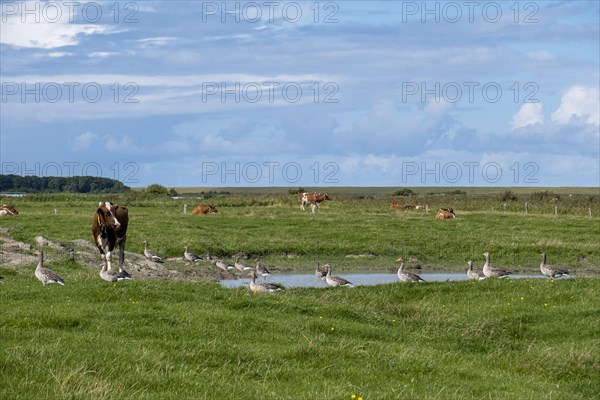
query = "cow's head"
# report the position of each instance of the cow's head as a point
(325, 196)
(106, 216)
(212, 209)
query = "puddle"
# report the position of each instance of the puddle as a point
(371, 279)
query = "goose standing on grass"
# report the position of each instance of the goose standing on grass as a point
(241, 266)
(551, 271)
(492, 272)
(151, 254)
(191, 257)
(46, 275)
(320, 272)
(262, 270)
(113, 276)
(406, 276)
(474, 274)
(222, 264)
(263, 286)
(333, 280)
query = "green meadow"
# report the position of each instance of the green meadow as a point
(149, 339)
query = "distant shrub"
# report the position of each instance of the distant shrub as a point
(544, 196)
(403, 192)
(157, 190)
(296, 190)
(508, 195)
(457, 192)
(213, 193)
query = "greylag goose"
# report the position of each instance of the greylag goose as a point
(263, 286)
(474, 274)
(46, 275)
(336, 280)
(262, 270)
(320, 272)
(241, 266)
(151, 254)
(406, 276)
(112, 276)
(191, 257)
(222, 264)
(551, 271)
(493, 272)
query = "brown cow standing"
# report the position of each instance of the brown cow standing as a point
(445, 213)
(109, 227)
(6, 209)
(204, 209)
(312, 198)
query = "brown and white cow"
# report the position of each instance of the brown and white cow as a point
(6, 209)
(312, 198)
(445, 213)
(109, 227)
(204, 209)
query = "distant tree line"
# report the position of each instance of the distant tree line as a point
(56, 184)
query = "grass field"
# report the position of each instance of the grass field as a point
(352, 231)
(509, 339)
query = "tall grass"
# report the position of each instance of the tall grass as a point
(534, 339)
(513, 339)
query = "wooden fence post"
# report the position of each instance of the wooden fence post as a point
(590, 212)
(555, 210)
(185, 208)
(526, 204)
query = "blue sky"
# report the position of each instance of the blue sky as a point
(346, 93)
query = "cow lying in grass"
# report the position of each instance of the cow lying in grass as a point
(6, 209)
(204, 209)
(445, 213)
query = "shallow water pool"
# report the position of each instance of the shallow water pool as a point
(366, 279)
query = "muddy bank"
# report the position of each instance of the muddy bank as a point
(15, 254)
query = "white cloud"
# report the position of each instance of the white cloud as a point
(384, 163)
(389, 128)
(155, 41)
(84, 140)
(528, 114)
(579, 101)
(58, 54)
(541, 56)
(43, 30)
(106, 142)
(114, 144)
(46, 35)
(103, 54)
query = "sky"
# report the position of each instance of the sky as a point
(302, 94)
